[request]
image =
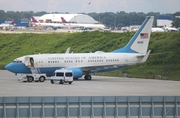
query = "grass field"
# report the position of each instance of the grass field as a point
(163, 63)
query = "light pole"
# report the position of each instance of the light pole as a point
(99, 19)
(115, 23)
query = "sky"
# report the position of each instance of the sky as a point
(98, 6)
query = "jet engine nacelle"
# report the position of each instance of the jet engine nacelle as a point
(77, 72)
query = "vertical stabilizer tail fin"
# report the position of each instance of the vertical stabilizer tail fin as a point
(13, 22)
(63, 20)
(33, 19)
(140, 41)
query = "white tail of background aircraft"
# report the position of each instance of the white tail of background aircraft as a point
(85, 63)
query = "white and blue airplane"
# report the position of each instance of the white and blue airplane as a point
(86, 63)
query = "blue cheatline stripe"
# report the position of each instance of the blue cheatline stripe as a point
(48, 71)
(21, 68)
(127, 48)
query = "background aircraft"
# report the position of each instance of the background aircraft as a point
(85, 63)
(66, 24)
(47, 24)
(171, 29)
(93, 26)
(157, 29)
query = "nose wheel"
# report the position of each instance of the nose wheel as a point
(87, 77)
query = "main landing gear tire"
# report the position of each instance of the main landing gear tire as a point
(30, 78)
(75, 78)
(52, 82)
(41, 79)
(61, 82)
(87, 77)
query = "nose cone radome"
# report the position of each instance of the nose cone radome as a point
(11, 67)
(17, 67)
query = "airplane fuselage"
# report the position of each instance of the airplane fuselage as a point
(94, 26)
(96, 62)
(84, 59)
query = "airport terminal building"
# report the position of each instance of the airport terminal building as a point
(164, 21)
(72, 18)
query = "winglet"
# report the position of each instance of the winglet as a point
(67, 51)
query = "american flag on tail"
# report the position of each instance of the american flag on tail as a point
(144, 35)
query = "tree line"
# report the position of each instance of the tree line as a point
(110, 19)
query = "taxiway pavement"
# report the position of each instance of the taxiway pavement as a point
(98, 86)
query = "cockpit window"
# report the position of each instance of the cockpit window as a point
(17, 61)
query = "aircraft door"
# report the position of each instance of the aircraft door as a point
(29, 61)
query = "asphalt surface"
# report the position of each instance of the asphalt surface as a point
(98, 86)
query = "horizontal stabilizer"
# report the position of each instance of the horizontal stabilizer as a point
(145, 57)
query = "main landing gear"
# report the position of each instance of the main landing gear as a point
(87, 77)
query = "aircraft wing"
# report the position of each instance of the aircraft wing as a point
(111, 66)
(103, 67)
(97, 67)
